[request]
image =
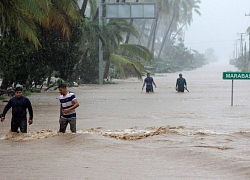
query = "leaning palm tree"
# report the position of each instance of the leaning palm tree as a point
(131, 56)
(179, 14)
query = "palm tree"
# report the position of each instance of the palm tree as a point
(24, 16)
(27, 19)
(172, 15)
(131, 23)
(131, 56)
(83, 7)
(180, 13)
(112, 36)
(88, 44)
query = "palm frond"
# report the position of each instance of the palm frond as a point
(90, 34)
(24, 15)
(59, 21)
(123, 27)
(197, 12)
(69, 7)
(124, 62)
(27, 28)
(37, 9)
(248, 30)
(122, 73)
(135, 50)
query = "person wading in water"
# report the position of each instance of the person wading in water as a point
(181, 84)
(19, 105)
(149, 81)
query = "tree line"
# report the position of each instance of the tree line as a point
(59, 38)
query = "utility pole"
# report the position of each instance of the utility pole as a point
(241, 43)
(235, 46)
(233, 52)
(100, 43)
(249, 47)
(245, 56)
(236, 49)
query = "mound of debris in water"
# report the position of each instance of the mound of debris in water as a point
(136, 134)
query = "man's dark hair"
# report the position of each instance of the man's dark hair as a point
(62, 86)
(18, 89)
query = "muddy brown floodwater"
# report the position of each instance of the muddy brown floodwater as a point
(125, 134)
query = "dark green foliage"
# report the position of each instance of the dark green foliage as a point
(91, 68)
(178, 58)
(2, 97)
(13, 59)
(59, 53)
(75, 57)
(242, 62)
(22, 63)
(86, 68)
(37, 38)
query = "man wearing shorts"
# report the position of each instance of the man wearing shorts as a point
(149, 81)
(67, 109)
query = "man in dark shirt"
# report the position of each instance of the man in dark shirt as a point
(148, 81)
(19, 105)
(181, 84)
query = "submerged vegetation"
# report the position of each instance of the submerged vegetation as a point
(241, 62)
(59, 38)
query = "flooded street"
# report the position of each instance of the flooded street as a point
(125, 134)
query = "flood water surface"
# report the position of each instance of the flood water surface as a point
(123, 133)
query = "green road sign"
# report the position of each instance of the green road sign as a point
(236, 75)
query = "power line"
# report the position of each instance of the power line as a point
(209, 42)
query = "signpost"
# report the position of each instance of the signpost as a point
(235, 76)
(130, 10)
(127, 10)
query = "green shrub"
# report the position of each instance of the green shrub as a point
(26, 93)
(2, 97)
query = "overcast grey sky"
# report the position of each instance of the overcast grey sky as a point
(218, 26)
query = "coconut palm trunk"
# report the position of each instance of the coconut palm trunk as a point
(142, 30)
(106, 71)
(155, 30)
(165, 36)
(151, 33)
(172, 38)
(128, 34)
(84, 59)
(83, 8)
(97, 12)
(131, 23)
